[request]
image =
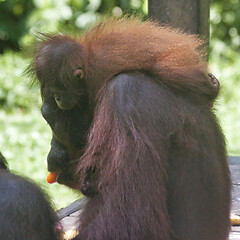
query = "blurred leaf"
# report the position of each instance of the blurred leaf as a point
(14, 87)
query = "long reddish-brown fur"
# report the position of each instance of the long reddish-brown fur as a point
(154, 160)
(126, 44)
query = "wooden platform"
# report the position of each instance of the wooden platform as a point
(69, 215)
(234, 164)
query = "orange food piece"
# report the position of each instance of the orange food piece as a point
(52, 177)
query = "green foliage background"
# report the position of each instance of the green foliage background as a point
(24, 135)
(224, 63)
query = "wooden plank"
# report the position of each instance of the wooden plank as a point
(234, 165)
(72, 208)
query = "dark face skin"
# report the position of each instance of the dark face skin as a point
(69, 120)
